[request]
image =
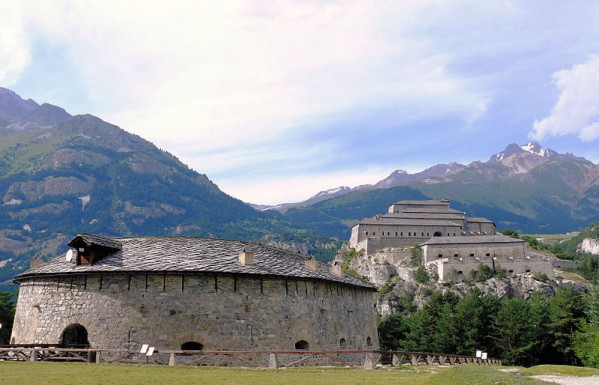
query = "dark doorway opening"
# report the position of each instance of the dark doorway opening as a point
(302, 345)
(191, 345)
(74, 336)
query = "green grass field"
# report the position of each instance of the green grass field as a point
(17, 373)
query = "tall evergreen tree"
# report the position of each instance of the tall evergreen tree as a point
(7, 313)
(565, 311)
(586, 340)
(513, 331)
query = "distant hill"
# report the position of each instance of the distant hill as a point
(63, 174)
(529, 188)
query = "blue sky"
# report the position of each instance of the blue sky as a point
(278, 100)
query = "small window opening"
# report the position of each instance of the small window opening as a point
(472, 255)
(440, 255)
(302, 345)
(342, 343)
(368, 341)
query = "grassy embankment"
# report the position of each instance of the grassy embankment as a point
(17, 373)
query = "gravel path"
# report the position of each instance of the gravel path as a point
(570, 380)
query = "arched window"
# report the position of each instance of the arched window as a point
(437, 234)
(342, 343)
(191, 345)
(302, 345)
(369, 342)
(74, 336)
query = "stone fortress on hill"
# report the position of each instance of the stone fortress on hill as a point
(452, 243)
(191, 294)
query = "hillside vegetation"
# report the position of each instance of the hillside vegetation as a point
(61, 175)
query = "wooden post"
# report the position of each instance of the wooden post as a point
(414, 359)
(273, 362)
(171, 359)
(396, 361)
(99, 357)
(369, 362)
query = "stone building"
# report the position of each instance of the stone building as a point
(455, 257)
(449, 239)
(409, 223)
(191, 293)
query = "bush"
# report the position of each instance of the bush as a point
(421, 275)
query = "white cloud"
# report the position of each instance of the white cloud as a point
(576, 111)
(14, 49)
(228, 72)
(296, 188)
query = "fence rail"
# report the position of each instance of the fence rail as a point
(272, 359)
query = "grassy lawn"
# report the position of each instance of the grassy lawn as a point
(561, 370)
(16, 373)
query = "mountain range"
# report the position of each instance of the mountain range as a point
(62, 174)
(526, 187)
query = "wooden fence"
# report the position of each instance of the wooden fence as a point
(271, 359)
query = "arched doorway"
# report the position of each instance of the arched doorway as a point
(74, 336)
(343, 343)
(302, 345)
(438, 234)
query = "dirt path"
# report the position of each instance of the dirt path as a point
(569, 380)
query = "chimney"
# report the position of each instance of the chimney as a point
(246, 257)
(336, 270)
(312, 264)
(35, 262)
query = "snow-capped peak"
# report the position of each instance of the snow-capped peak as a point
(537, 149)
(333, 191)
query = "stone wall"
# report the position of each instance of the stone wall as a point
(220, 312)
(534, 264)
(473, 250)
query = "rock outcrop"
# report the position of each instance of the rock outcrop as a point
(589, 245)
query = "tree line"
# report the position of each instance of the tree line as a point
(562, 329)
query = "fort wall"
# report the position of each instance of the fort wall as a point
(221, 312)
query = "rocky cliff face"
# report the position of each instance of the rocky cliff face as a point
(394, 272)
(589, 245)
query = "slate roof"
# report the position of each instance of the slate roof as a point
(433, 210)
(427, 215)
(191, 255)
(478, 220)
(90, 239)
(471, 239)
(408, 222)
(428, 202)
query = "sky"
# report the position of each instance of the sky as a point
(277, 100)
